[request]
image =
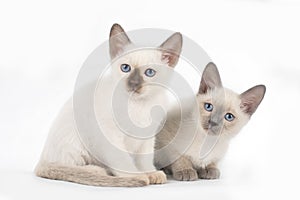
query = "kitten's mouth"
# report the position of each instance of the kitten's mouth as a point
(135, 90)
(211, 130)
(205, 126)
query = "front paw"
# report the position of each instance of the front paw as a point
(185, 175)
(157, 177)
(209, 173)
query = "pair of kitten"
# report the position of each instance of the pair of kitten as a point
(66, 158)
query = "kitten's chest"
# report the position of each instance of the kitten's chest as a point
(146, 114)
(207, 149)
(139, 113)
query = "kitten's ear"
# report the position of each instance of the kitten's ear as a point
(118, 40)
(171, 49)
(251, 98)
(210, 78)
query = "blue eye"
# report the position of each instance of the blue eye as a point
(208, 107)
(150, 72)
(229, 117)
(125, 68)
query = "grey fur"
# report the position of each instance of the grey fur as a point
(210, 78)
(171, 49)
(88, 175)
(209, 172)
(182, 170)
(118, 39)
(135, 80)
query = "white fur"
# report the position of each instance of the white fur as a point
(64, 145)
(67, 153)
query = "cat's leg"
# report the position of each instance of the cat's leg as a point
(145, 163)
(120, 163)
(123, 166)
(88, 175)
(209, 172)
(182, 170)
(157, 177)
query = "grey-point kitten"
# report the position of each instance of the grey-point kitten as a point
(221, 112)
(66, 157)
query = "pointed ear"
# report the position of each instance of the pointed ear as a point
(251, 99)
(117, 40)
(210, 78)
(171, 49)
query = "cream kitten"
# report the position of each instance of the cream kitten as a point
(222, 115)
(66, 158)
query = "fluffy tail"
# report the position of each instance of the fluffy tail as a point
(88, 175)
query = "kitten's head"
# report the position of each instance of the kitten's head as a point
(223, 111)
(138, 68)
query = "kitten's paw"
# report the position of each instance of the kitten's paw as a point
(143, 180)
(157, 177)
(209, 173)
(186, 175)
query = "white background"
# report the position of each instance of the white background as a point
(42, 47)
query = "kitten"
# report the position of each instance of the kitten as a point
(66, 158)
(222, 113)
